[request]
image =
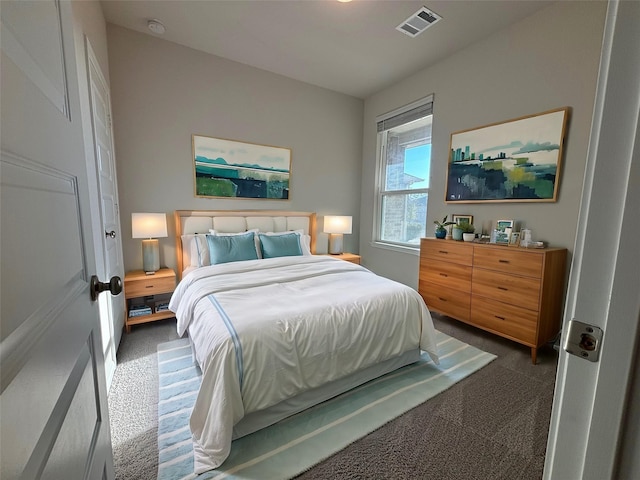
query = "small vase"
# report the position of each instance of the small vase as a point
(441, 233)
(457, 233)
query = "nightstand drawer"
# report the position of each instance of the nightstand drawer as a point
(150, 286)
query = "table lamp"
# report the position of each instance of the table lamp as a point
(336, 226)
(149, 226)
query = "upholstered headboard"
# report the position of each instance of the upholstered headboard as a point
(190, 222)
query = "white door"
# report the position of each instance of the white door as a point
(111, 307)
(53, 400)
(590, 437)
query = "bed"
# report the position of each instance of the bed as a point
(279, 330)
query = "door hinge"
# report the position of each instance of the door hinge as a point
(583, 340)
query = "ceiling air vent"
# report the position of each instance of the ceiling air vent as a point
(418, 22)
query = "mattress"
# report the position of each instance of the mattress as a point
(267, 331)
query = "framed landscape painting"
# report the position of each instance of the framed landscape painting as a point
(232, 169)
(517, 160)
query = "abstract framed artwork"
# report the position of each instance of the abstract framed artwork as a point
(513, 161)
(231, 169)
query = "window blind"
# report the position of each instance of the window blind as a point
(406, 114)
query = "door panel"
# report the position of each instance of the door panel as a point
(53, 391)
(40, 56)
(111, 308)
(50, 373)
(72, 444)
(43, 211)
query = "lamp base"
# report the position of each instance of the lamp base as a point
(335, 243)
(150, 256)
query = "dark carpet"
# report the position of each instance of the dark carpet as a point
(491, 425)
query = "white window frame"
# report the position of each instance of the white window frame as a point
(380, 180)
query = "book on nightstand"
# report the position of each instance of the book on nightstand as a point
(162, 307)
(139, 310)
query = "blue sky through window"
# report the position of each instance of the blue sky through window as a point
(417, 162)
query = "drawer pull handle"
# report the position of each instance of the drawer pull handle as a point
(444, 275)
(149, 286)
(503, 261)
(442, 251)
(500, 318)
(503, 288)
(442, 299)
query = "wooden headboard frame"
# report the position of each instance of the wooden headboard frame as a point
(182, 217)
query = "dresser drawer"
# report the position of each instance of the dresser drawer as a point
(513, 289)
(449, 302)
(509, 260)
(509, 320)
(150, 286)
(446, 274)
(447, 251)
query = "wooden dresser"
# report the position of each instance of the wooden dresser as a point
(514, 292)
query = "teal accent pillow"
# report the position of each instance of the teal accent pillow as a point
(287, 245)
(232, 248)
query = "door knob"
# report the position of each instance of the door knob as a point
(114, 286)
(111, 234)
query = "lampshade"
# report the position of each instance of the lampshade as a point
(337, 224)
(149, 225)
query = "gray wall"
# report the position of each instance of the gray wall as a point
(546, 61)
(162, 93)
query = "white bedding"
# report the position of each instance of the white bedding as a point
(266, 330)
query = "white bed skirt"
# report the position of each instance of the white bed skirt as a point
(258, 420)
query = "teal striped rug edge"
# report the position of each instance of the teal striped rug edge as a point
(303, 440)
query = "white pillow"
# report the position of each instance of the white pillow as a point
(200, 252)
(305, 240)
(195, 252)
(224, 234)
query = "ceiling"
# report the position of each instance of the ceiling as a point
(352, 48)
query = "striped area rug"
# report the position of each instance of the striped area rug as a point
(297, 443)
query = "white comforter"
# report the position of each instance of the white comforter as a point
(266, 330)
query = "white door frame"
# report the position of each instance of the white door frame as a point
(111, 308)
(591, 399)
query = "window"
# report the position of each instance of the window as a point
(404, 140)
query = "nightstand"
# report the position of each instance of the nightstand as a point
(142, 290)
(348, 257)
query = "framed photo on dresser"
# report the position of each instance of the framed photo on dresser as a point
(462, 219)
